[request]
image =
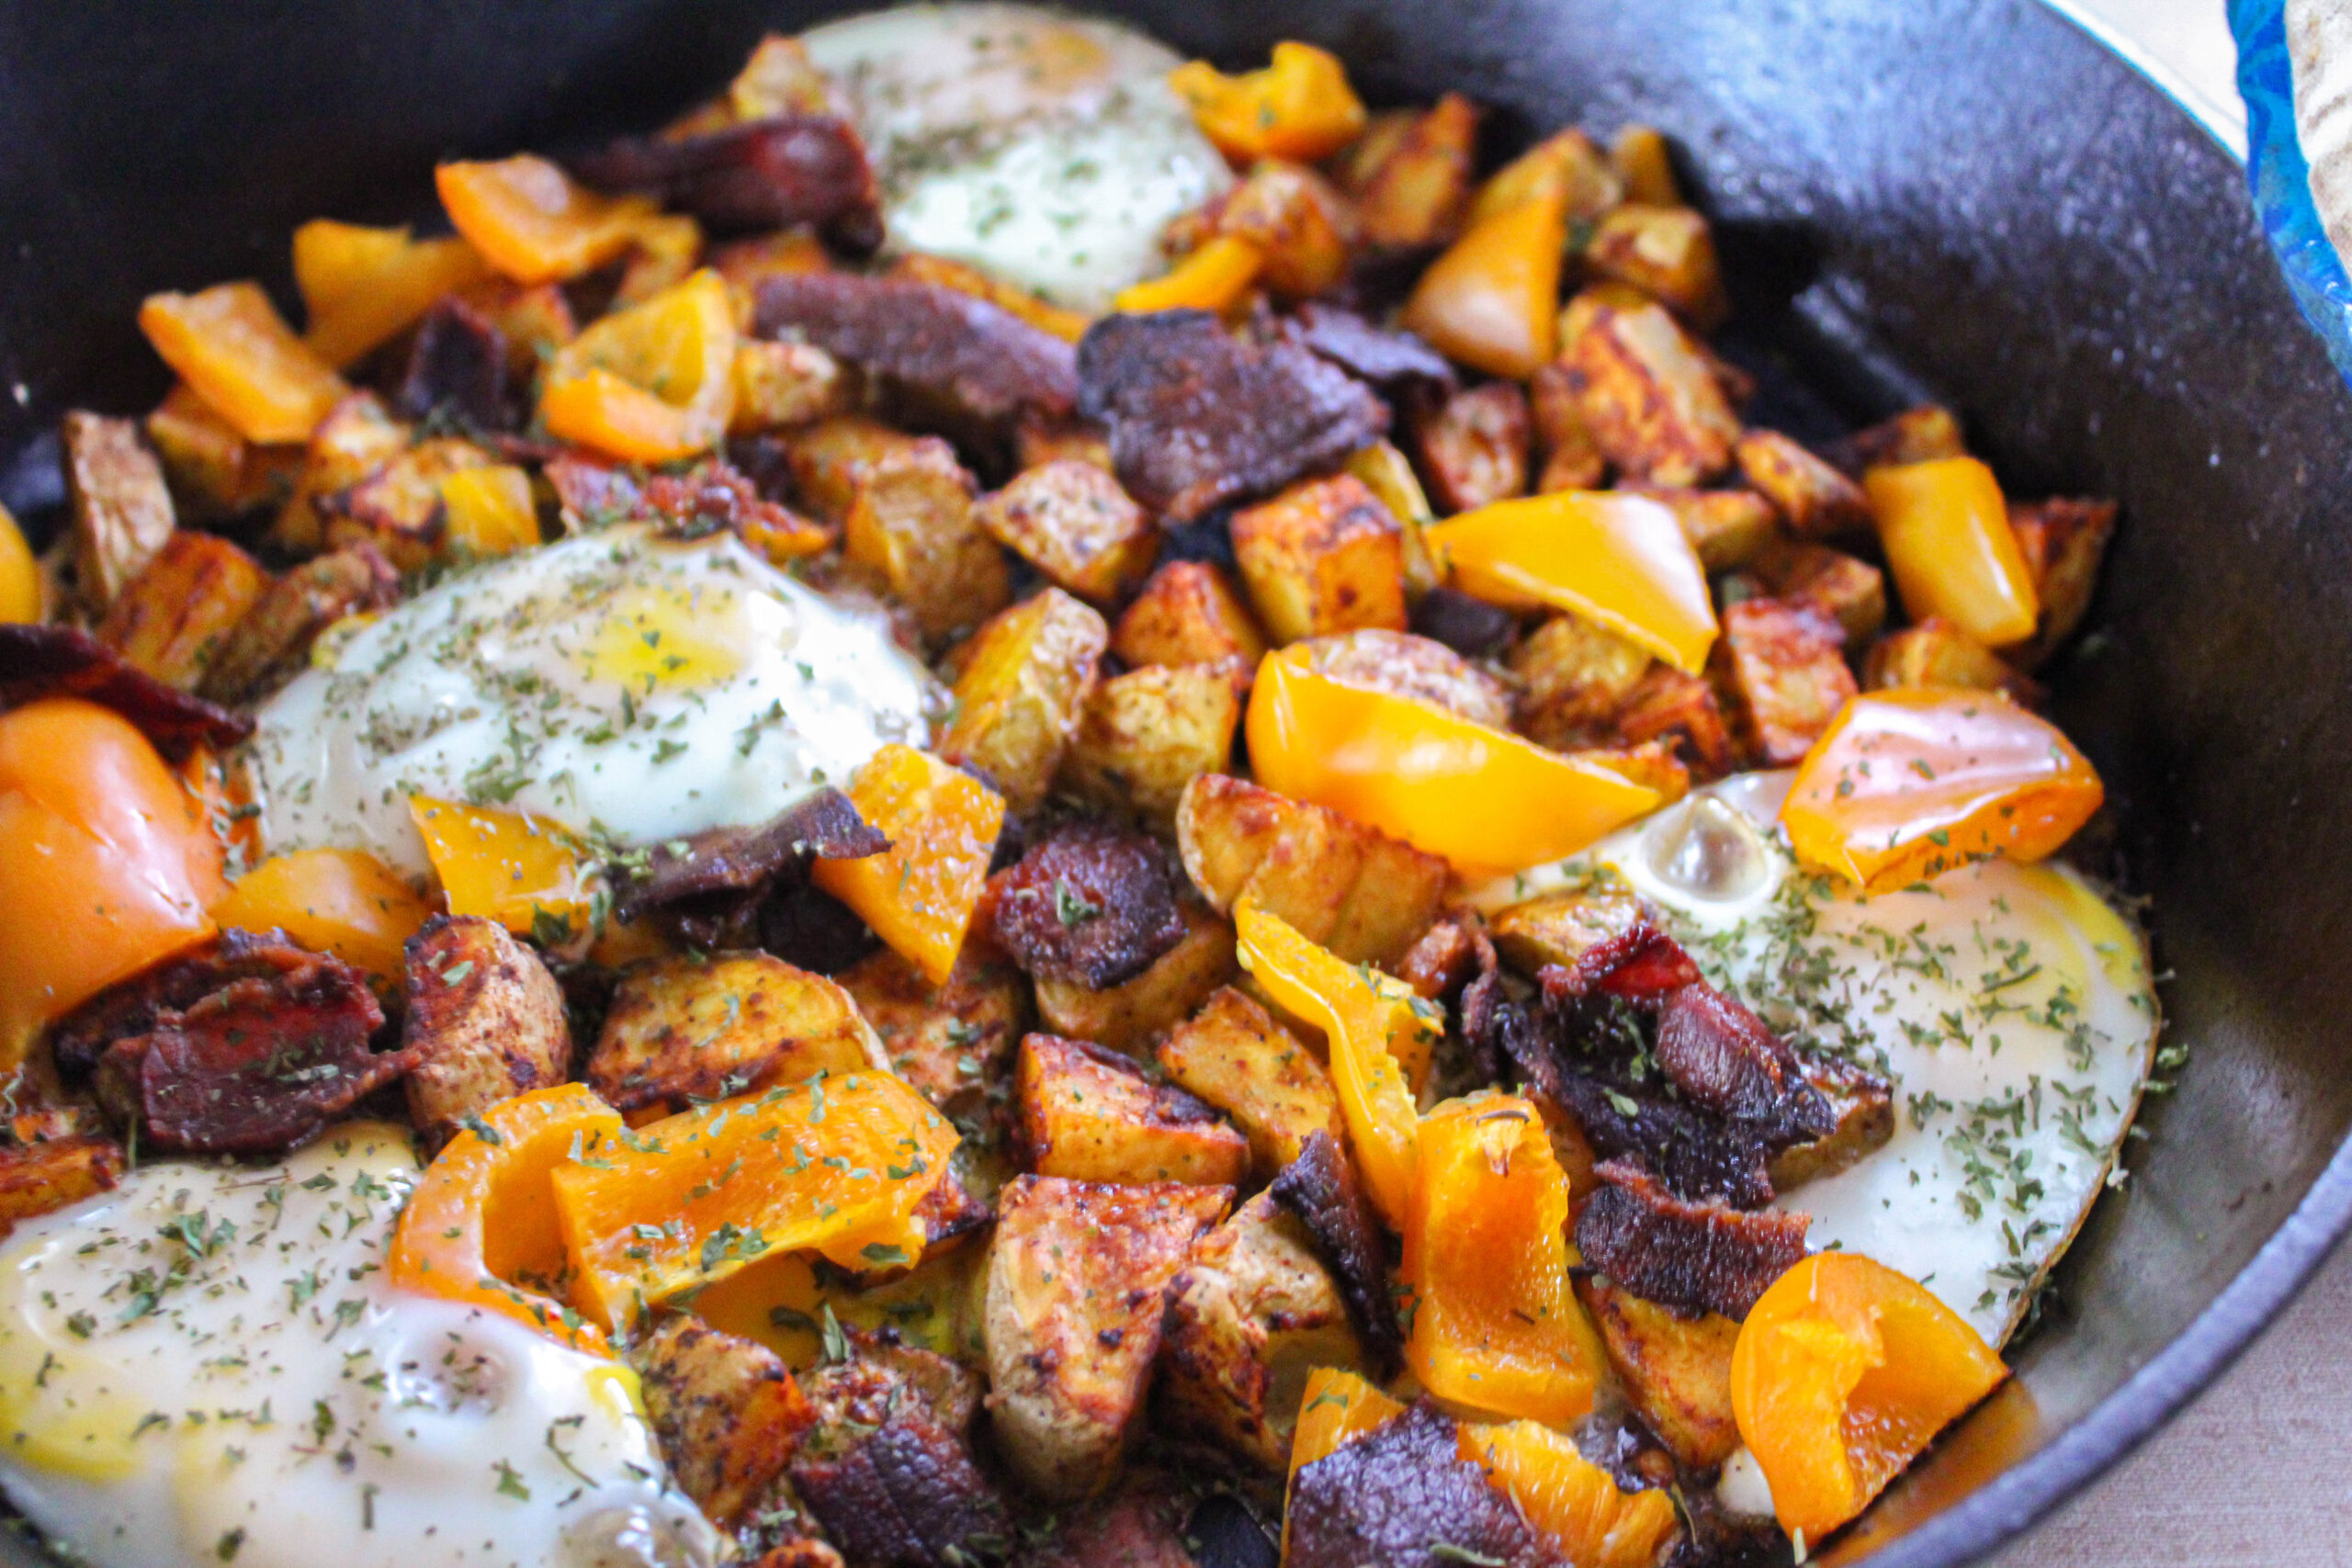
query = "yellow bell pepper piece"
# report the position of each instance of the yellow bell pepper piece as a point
(1212, 278)
(360, 286)
(1298, 107)
(20, 595)
(230, 344)
(534, 222)
(1492, 299)
(650, 384)
(507, 866)
(489, 509)
(1945, 529)
(345, 902)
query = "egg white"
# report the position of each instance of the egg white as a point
(206, 1366)
(1047, 149)
(639, 688)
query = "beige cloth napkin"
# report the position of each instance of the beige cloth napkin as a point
(2318, 46)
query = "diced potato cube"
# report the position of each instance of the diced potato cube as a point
(272, 643)
(711, 1027)
(1849, 590)
(1864, 1105)
(949, 1040)
(1675, 1371)
(1650, 397)
(1234, 1055)
(1128, 1015)
(397, 508)
(1026, 677)
(1567, 456)
(1667, 704)
(1148, 733)
(1786, 664)
(1937, 653)
(214, 472)
(485, 1021)
(726, 1410)
(1410, 172)
(1189, 613)
(1668, 253)
(1071, 521)
(780, 384)
(1472, 447)
(2063, 542)
(1324, 556)
(905, 508)
(1566, 161)
(1089, 1114)
(1301, 227)
(357, 436)
(40, 1178)
(174, 619)
(1811, 493)
(1914, 436)
(121, 508)
(1560, 927)
(1727, 528)
(1577, 675)
(1362, 894)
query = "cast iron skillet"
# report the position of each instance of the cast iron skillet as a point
(1958, 197)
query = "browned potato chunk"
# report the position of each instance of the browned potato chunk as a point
(1324, 556)
(1130, 1013)
(1668, 253)
(1566, 455)
(1640, 157)
(174, 619)
(1234, 1055)
(1089, 1114)
(1472, 447)
(1865, 1106)
(1147, 734)
(1577, 675)
(1037, 441)
(724, 1024)
(1189, 613)
(1653, 764)
(1025, 678)
(1786, 665)
(1403, 665)
(1649, 396)
(40, 1178)
(1302, 226)
(397, 508)
(1410, 172)
(1676, 1371)
(1727, 528)
(1249, 1315)
(1937, 653)
(1567, 161)
(213, 471)
(1443, 958)
(1560, 927)
(357, 436)
(780, 384)
(1850, 591)
(536, 320)
(1914, 436)
(726, 1410)
(1667, 704)
(1070, 520)
(1076, 1285)
(905, 507)
(1352, 889)
(2063, 541)
(485, 1019)
(121, 507)
(947, 1041)
(1813, 494)
(272, 642)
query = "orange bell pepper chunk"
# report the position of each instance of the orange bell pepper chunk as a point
(1495, 1325)
(1568, 1498)
(1300, 107)
(361, 286)
(1620, 560)
(1906, 785)
(340, 901)
(481, 1227)
(919, 894)
(1378, 1038)
(490, 510)
(1213, 277)
(230, 344)
(1492, 299)
(1945, 529)
(109, 867)
(650, 384)
(1843, 1373)
(20, 594)
(1484, 798)
(223, 799)
(509, 866)
(836, 1165)
(533, 221)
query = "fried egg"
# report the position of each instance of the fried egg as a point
(1047, 149)
(205, 1366)
(639, 688)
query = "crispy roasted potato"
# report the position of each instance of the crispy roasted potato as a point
(1409, 173)
(1037, 441)
(1848, 590)
(1352, 889)
(1560, 927)
(1303, 227)
(2063, 541)
(1091, 1114)
(947, 1041)
(174, 618)
(1027, 676)
(1189, 613)
(1815, 496)
(1147, 734)
(1235, 1056)
(1668, 253)
(1865, 1106)
(1676, 1370)
(1565, 161)
(1566, 453)
(536, 320)
(1070, 520)
(40, 1178)
(1076, 1285)
(726, 1410)
(905, 508)
(1914, 436)
(398, 507)
(1649, 396)
(121, 507)
(1937, 653)
(708, 1027)
(1667, 704)
(357, 436)
(1577, 675)
(1443, 958)
(485, 1021)
(1785, 664)
(1640, 157)
(1403, 665)
(272, 642)
(1249, 1315)
(1126, 1015)
(1471, 448)
(781, 384)
(1324, 556)
(213, 471)
(1727, 528)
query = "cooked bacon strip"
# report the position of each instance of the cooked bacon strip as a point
(1321, 1188)
(1093, 905)
(1199, 419)
(456, 368)
(1726, 1059)
(1403, 1496)
(81, 1036)
(38, 661)
(887, 1470)
(1392, 360)
(764, 174)
(706, 882)
(986, 360)
(1640, 964)
(1694, 1258)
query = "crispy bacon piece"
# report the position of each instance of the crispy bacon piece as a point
(457, 367)
(1640, 964)
(712, 495)
(1395, 362)
(38, 661)
(1092, 905)
(1403, 1496)
(257, 1067)
(887, 1470)
(764, 174)
(984, 359)
(1693, 1257)
(808, 926)
(1472, 627)
(1727, 1060)
(707, 881)
(40, 1178)
(1321, 1188)
(81, 1036)
(1199, 419)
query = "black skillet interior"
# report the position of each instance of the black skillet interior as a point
(1960, 197)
